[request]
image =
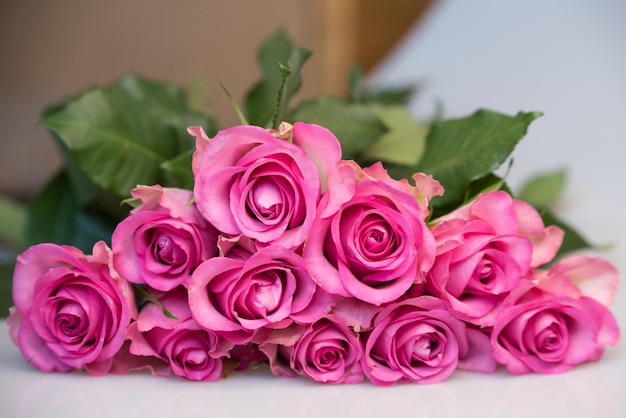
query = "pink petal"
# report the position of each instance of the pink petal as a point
(595, 277)
(479, 357)
(202, 140)
(323, 148)
(34, 263)
(36, 351)
(496, 208)
(546, 241)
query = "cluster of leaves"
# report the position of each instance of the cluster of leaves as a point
(133, 132)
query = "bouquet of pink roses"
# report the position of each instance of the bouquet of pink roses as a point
(282, 250)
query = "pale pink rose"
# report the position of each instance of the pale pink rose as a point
(163, 240)
(180, 344)
(71, 310)
(419, 340)
(580, 275)
(483, 250)
(374, 248)
(236, 297)
(249, 182)
(540, 332)
(326, 351)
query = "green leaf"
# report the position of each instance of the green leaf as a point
(196, 93)
(12, 221)
(355, 81)
(55, 216)
(261, 98)
(7, 264)
(389, 96)
(146, 296)
(52, 212)
(488, 183)
(355, 125)
(119, 135)
(83, 188)
(180, 169)
(459, 151)
(542, 190)
(403, 143)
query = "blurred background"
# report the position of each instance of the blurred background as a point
(566, 58)
(49, 50)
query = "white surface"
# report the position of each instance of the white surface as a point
(590, 390)
(566, 58)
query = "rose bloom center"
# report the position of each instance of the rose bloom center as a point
(266, 199)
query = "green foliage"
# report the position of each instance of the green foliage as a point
(13, 217)
(355, 125)
(180, 169)
(6, 273)
(261, 99)
(381, 96)
(543, 190)
(459, 151)
(405, 139)
(572, 240)
(56, 216)
(119, 135)
(133, 131)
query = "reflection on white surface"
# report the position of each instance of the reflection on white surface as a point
(590, 390)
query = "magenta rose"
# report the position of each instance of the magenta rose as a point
(374, 248)
(483, 250)
(248, 181)
(235, 297)
(327, 351)
(419, 340)
(545, 333)
(71, 310)
(163, 240)
(180, 344)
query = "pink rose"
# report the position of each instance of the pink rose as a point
(180, 343)
(424, 190)
(579, 275)
(163, 240)
(249, 182)
(418, 340)
(374, 248)
(545, 333)
(483, 250)
(326, 351)
(71, 310)
(235, 297)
